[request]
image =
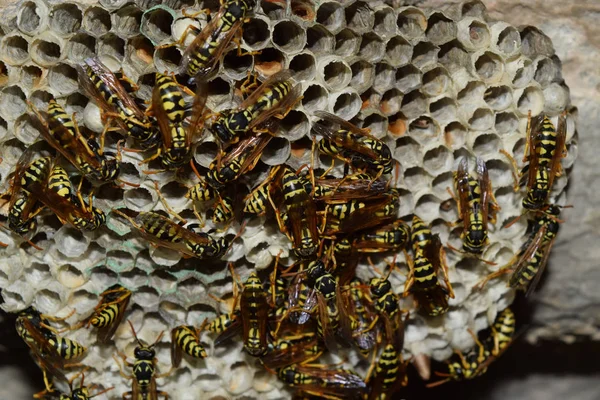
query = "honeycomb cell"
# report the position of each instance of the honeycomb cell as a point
(363, 75)
(65, 19)
(472, 93)
(424, 129)
(174, 195)
(133, 278)
(334, 73)
(156, 23)
(330, 14)
(167, 59)
(500, 171)
(413, 104)
(498, 98)
(531, 99)
(535, 42)
(391, 102)
(255, 34)
(25, 129)
(520, 71)
(408, 78)
(473, 34)
(295, 125)
(398, 51)
(273, 10)
(63, 79)
(269, 61)
(12, 102)
(384, 77)
(14, 49)
(47, 49)
(488, 66)
(303, 66)
(319, 40)
(71, 242)
(96, 21)
(80, 47)
(443, 110)
(440, 28)
(288, 37)
(482, 119)
(377, 124)
(126, 21)
(411, 22)
(347, 43)
(506, 39)
(237, 67)
(40, 99)
(139, 199)
(372, 47)
(12, 149)
(397, 124)
(487, 145)
(416, 178)
(438, 160)
(138, 53)
(506, 123)
(547, 70)
(32, 17)
(110, 45)
(436, 81)
(205, 153)
(314, 97)
(424, 54)
(345, 104)
(407, 152)
(427, 207)
(556, 98)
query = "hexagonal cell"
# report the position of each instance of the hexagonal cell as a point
(407, 152)
(482, 119)
(363, 75)
(506, 38)
(472, 93)
(438, 160)
(443, 110)
(345, 104)
(40, 99)
(547, 70)
(334, 72)
(424, 54)
(488, 66)
(235, 66)
(440, 28)
(506, 123)
(32, 17)
(424, 129)
(80, 47)
(32, 76)
(391, 102)
(96, 21)
(273, 10)
(156, 23)
(397, 124)
(416, 178)
(47, 49)
(139, 199)
(385, 22)
(288, 36)
(111, 45)
(473, 34)
(319, 40)
(63, 78)
(487, 145)
(398, 51)
(277, 151)
(205, 153)
(360, 17)
(377, 124)
(498, 98)
(530, 99)
(303, 66)
(331, 15)
(372, 47)
(26, 129)
(14, 49)
(138, 53)
(436, 81)
(411, 22)
(127, 21)
(534, 42)
(269, 61)
(454, 56)
(347, 43)
(414, 104)
(295, 125)
(314, 97)
(500, 172)
(427, 207)
(255, 34)
(71, 242)
(12, 102)
(557, 98)
(65, 19)
(408, 78)
(169, 58)
(384, 77)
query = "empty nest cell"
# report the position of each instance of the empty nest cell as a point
(288, 37)
(347, 43)
(127, 21)
(408, 78)
(236, 66)
(360, 17)
(482, 119)
(303, 66)
(14, 49)
(12, 102)
(440, 29)
(295, 125)
(424, 129)
(47, 49)
(63, 79)
(345, 104)
(531, 99)
(330, 14)
(32, 17)
(411, 22)
(65, 19)
(436, 81)
(319, 40)
(498, 98)
(443, 110)
(372, 47)
(473, 34)
(80, 47)
(363, 75)
(255, 34)
(535, 42)
(488, 66)
(424, 54)
(334, 73)
(112, 45)
(314, 98)
(96, 21)
(156, 24)
(25, 129)
(414, 104)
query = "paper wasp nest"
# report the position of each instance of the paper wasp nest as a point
(436, 85)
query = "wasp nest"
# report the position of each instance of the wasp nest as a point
(435, 85)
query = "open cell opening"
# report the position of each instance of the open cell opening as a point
(535, 42)
(31, 75)
(487, 144)
(128, 21)
(255, 33)
(360, 17)
(411, 22)
(347, 105)
(12, 102)
(96, 20)
(473, 9)
(385, 78)
(453, 53)
(347, 42)
(479, 34)
(76, 103)
(498, 98)
(318, 39)
(140, 50)
(440, 28)
(81, 46)
(294, 125)
(276, 152)
(423, 129)
(408, 78)
(331, 16)
(443, 109)
(363, 74)
(269, 61)
(156, 24)
(336, 74)
(303, 66)
(509, 40)
(506, 123)
(289, 36)
(113, 46)
(384, 22)
(377, 123)
(273, 10)
(63, 78)
(489, 66)
(15, 49)
(546, 72)
(424, 53)
(398, 51)
(532, 100)
(66, 19)
(414, 103)
(29, 19)
(237, 65)
(314, 98)
(436, 81)
(45, 52)
(482, 119)
(371, 47)
(397, 124)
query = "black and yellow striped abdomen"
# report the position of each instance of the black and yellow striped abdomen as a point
(36, 172)
(158, 226)
(58, 181)
(187, 340)
(66, 348)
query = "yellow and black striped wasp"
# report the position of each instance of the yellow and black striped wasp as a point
(63, 134)
(527, 267)
(326, 383)
(274, 98)
(352, 144)
(545, 148)
(188, 240)
(295, 348)
(393, 236)
(50, 185)
(109, 313)
(389, 374)
(351, 187)
(476, 361)
(186, 339)
(476, 205)
(168, 106)
(429, 259)
(356, 319)
(103, 87)
(203, 54)
(144, 375)
(80, 393)
(51, 351)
